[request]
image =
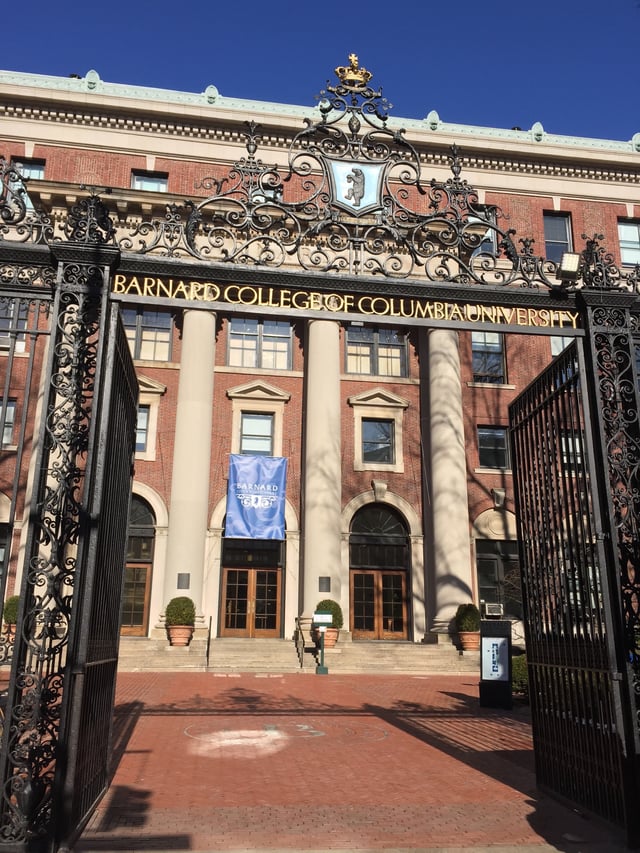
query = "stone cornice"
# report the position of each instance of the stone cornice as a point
(94, 104)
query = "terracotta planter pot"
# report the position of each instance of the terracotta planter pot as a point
(469, 640)
(180, 635)
(330, 637)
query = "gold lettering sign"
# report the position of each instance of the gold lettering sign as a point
(408, 308)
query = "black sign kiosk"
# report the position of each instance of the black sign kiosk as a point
(495, 663)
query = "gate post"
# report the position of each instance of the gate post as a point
(33, 756)
(611, 383)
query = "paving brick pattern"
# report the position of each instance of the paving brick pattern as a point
(304, 762)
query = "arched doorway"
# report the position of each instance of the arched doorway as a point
(138, 569)
(379, 564)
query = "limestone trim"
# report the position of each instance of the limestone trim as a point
(495, 524)
(291, 570)
(392, 499)
(378, 404)
(417, 609)
(257, 397)
(5, 508)
(159, 567)
(149, 395)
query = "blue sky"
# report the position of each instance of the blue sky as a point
(571, 65)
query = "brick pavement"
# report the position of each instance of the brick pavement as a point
(318, 763)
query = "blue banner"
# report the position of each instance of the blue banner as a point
(255, 497)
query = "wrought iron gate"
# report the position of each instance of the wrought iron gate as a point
(576, 456)
(55, 756)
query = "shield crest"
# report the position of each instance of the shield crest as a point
(356, 186)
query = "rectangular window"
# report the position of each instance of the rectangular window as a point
(493, 447)
(4, 542)
(13, 319)
(487, 349)
(33, 169)
(629, 236)
(142, 428)
(260, 343)
(148, 333)
(571, 450)
(156, 182)
(480, 228)
(376, 352)
(7, 422)
(378, 443)
(559, 343)
(256, 436)
(557, 235)
(498, 569)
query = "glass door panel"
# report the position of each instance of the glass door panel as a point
(135, 600)
(363, 603)
(394, 609)
(378, 605)
(251, 600)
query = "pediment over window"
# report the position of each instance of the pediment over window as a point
(150, 386)
(378, 397)
(258, 390)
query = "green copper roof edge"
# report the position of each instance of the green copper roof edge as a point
(91, 83)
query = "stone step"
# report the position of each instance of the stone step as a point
(280, 656)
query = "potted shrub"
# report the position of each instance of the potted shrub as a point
(10, 614)
(332, 632)
(180, 618)
(467, 622)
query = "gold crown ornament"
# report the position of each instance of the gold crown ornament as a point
(352, 76)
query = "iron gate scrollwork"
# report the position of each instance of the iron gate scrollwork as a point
(56, 738)
(576, 444)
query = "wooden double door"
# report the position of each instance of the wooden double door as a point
(251, 601)
(379, 605)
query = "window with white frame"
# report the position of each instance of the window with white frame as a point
(13, 321)
(256, 434)
(149, 333)
(493, 447)
(259, 343)
(7, 422)
(142, 428)
(487, 353)
(629, 236)
(257, 420)
(156, 182)
(378, 417)
(559, 343)
(378, 441)
(376, 352)
(151, 392)
(483, 231)
(557, 235)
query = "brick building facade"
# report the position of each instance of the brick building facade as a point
(391, 409)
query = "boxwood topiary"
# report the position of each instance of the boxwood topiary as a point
(467, 618)
(180, 611)
(10, 610)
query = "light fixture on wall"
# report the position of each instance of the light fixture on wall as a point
(498, 498)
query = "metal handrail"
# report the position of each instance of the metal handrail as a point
(302, 623)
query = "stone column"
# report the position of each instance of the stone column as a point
(189, 507)
(322, 463)
(450, 506)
